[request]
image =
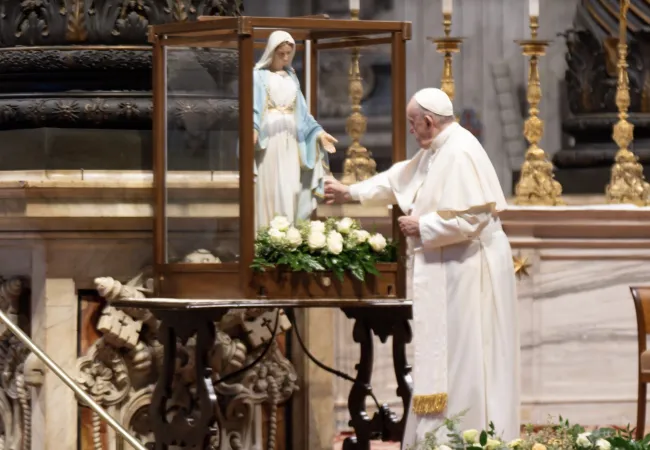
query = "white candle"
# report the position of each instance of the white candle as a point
(533, 8)
(447, 6)
(355, 5)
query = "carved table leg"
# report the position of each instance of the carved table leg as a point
(383, 322)
(194, 426)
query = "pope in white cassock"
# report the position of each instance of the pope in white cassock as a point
(461, 277)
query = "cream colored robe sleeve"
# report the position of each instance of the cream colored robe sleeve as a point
(437, 231)
(375, 191)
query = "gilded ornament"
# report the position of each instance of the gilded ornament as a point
(76, 30)
(627, 183)
(537, 185)
(430, 404)
(358, 165)
(447, 46)
(521, 265)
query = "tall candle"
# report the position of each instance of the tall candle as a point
(355, 5)
(533, 8)
(447, 6)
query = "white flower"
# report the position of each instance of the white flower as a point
(344, 226)
(276, 236)
(602, 444)
(583, 440)
(492, 444)
(515, 443)
(293, 237)
(360, 236)
(469, 436)
(443, 447)
(334, 243)
(378, 244)
(280, 223)
(317, 226)
(316, 240)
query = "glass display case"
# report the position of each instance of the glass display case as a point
(206, 118)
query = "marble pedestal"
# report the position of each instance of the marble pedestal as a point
(576, 317)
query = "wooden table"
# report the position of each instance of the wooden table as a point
(183, 319)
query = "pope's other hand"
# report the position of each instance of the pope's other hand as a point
(410, 226)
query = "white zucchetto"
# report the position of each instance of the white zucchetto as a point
(434, 100)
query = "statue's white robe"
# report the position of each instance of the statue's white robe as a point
(462, 282)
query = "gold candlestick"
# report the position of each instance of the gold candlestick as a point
(358, 165)
(536, 185)
(627, 183)
(447, 45)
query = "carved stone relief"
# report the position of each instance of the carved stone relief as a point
(38, 22)
(21, 372)
(121, 368)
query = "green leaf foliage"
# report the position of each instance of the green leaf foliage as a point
(557, 434)
(338, 246)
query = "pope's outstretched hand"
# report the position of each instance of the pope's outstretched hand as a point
(336, 192)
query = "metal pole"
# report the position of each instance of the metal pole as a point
(114, 424)
(306, 62)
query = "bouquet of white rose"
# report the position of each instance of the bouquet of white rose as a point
(560, 435)
(316, 246)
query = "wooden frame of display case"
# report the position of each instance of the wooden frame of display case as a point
(237, 280)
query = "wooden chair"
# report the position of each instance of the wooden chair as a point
(641, 296)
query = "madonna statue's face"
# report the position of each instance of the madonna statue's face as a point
(282, 56)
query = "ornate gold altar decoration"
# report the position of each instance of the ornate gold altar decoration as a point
(447, 45)
(627, 183)
(536, 185)
(521, 265)
(358, 165)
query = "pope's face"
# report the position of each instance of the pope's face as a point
(282, 56)
(420, 126)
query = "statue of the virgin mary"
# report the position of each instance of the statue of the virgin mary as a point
(291, 148)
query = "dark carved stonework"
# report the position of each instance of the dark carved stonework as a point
(590, 85)
(98, 22)
(86, 64)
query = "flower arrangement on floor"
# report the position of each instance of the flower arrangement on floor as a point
(334, 245)
(556, 435)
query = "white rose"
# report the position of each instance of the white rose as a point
(602, 444)
(583, 440)
(492, 444)
(443, 447)
(515, 443)
(316, 240)
(344, 225)
(276, 236)
(360, 236)
(293, 237)
(378, 243)
(280, 223)
(317, 226)
(334, 243)
(469, 436)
